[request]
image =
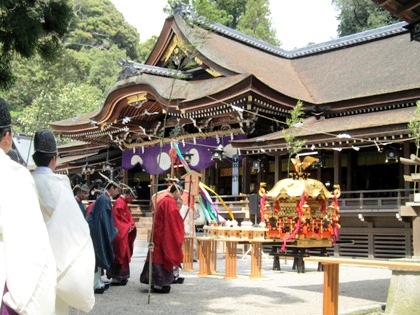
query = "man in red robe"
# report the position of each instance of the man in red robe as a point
(124, 241)
(168, 240)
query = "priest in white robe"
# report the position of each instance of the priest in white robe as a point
(68, 231)
(27, 267)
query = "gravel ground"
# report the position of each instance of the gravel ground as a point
(362, 291)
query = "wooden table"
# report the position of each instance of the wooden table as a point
(331, 276)
(207, 253)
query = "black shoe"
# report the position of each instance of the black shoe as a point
(100, 290)
(122, 282)
(179, 280)
(165, 289)
(106, 285)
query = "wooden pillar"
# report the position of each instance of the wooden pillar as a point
(125, 176)
(351, 160)
(416, 235)
(337, 167)
(331, 281)
(256, 260)
(188, 253)
(235, 174)
(371, 240)
(277, 168)
(406, 168)
(204, 175)
(211, 175)
(204, 254)
(153, 181)
(213, 256)
(230, 259)
(319, 173)
(246, 176)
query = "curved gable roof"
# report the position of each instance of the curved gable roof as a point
(356, 66)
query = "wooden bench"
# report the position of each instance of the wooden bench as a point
(331, 276)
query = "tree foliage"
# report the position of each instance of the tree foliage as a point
(146, 48)
(58, 103)
(99, 24)
(251, 17)
(294, 122)
(360, 15)
(76, 83)
(29, 27)
(256, 21)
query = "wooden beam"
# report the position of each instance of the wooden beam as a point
(406, 161)
(395, 263)
(331, 275)
(408, 7)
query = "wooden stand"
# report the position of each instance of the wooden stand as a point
(230, 259)
(188, 248)
(256, 259)
(206, 256)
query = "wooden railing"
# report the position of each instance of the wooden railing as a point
(238, 204)
(371, 200)
(360, 201)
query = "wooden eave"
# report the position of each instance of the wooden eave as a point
(78, 148)
(406, 10)
(203, 103)
(365, 130)
(366, 104)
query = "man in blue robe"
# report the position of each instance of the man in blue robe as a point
(103, 232)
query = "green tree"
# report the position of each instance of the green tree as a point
(58, 103)
(146, 48)
(360, 15)
(29, 27)
(199, 8)
(104, 67)
(251, 17)
(99, 24)
(256, 21)
(235, 9)
(294, 122)
(91, 70)
(94, 67)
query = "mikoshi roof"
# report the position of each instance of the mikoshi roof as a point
(294, 188)
(222, 70)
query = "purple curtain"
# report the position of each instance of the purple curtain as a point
(148, 157)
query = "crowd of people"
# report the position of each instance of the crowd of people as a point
(55, 253)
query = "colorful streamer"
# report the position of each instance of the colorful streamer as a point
(210, 210)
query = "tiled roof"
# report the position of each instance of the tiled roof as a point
(341, 42)
(374, 126)
(371, 63)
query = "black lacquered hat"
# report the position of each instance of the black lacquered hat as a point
(45, 142)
